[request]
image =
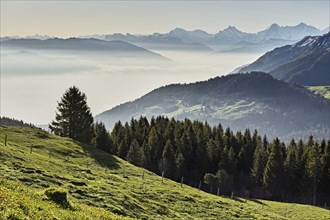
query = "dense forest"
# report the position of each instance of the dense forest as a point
(14, 122)
(219, 160)
(213, 159)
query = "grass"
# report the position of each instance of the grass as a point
(102, 186)
(322, 90)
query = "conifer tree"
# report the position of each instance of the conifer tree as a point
(313, 167)
(73, 117)
(325, 163)
(117, 136)
(168, 155)
(135, 154)
(102, 139)
(258, 166)
(291, 168)
(152, 146)
(273, 174)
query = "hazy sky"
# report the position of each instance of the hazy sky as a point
(73, 18)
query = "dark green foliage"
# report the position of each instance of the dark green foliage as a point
(314, 167)
(168, 155)
(225, 181)
(259, 163)
(273, 174)
(325, 176)
(58, 196)
(211, 180)
(241, 163)
(74, 118)
(102, 138)
(135, 154)
(14, 122)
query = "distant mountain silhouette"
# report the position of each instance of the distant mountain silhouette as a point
(254, 100)
(78, 45)
(306, 62)
(228, 40)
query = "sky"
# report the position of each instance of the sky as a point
(73, 18)
(33, 98)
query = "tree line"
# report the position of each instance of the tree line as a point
(14, 122)
(243, 163)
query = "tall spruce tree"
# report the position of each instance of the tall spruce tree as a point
(168, 155)
(73, 117)
(273, 174)
(290, 168)
(258, 166)
(135, 154)
(314, 167)
(102, 138)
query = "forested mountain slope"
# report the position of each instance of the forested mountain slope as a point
(240, 101)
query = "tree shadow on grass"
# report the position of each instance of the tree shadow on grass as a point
(244, 200)
(257, 201)
(103, 158)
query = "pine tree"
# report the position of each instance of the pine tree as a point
(74, 118)
(180, 165)
(117, 136)
(273, 174)
(325, 176)
(258, 166)
(102, 139)
(168, 155)
(135, 154)
(313, 167)
(152, 146)
(291, 168)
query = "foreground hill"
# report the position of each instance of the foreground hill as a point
(99, 184)
(305, 63)
(255, 101)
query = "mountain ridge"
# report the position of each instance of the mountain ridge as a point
(239, 101)
(223, 41)
(305, 62)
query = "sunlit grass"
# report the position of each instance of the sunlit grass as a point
(322, 90)
(102, 186)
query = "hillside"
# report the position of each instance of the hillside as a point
(240, 101)
(100, 184)
(303, 63)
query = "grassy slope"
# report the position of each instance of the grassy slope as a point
(100, 184)
(322, 90)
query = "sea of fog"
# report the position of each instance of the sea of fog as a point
(33, 82)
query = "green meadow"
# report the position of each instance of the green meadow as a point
(43, 176)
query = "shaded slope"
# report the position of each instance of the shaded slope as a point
(96, 179)
(239, 101)
(304, 63)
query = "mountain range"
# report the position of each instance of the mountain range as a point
(80, 46)
(228, 40)
(240, 101)
(306, 62)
